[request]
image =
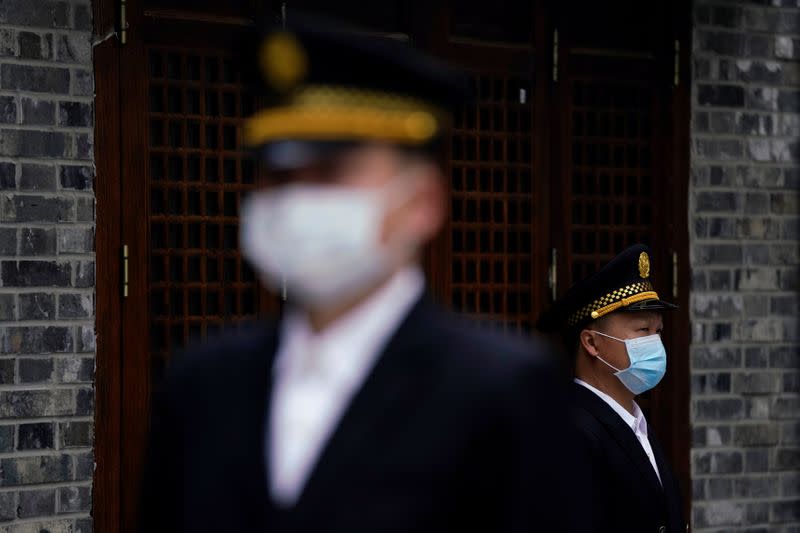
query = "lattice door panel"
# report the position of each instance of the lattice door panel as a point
(610, 171)
(492, 213)
(197, 174)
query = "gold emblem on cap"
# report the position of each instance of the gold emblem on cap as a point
(644, 265)
(283, 61)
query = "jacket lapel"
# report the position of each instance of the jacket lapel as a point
(621, 433)
(384, 392)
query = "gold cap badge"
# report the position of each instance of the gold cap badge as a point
(644, 265)
(283, 61)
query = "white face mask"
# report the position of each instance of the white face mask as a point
(322, 242)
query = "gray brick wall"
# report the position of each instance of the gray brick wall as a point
(744, 229)
(46, 266)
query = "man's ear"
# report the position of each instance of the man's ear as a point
(588, 342)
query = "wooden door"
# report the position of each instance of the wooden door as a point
(573, 148)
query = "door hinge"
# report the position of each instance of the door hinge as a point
(555, 54)
(123, 21)
(675, 275)
(552, 278)
(125, 271)
(676, 74)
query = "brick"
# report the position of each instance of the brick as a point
(37, 339)
(35, 274)
(84, 402)
(759, 71)
(790, 485)
(8, 506)
(35, 436)
(755, 305)
(719, 280)
(8, 176)
(75, 306)
(8, 241)
(74, 48)
(75, 240)
(716, 202)
(37, 503)
(35, 45)
(785, 203)
(757, 513)
(790, 432)
(76, 434)
(36, 403)
(37, 177)
(700, 122)
(786, 407)
(784, 254)
(37, 306)
(754, 383)
(8, 42)
(758, 46)
(756, 460)
(788, 305)
(75, 369)
(78, 177)
(789, 101)
(719, 149)
(755, 487)
(6, 439)
(720, 513)
(756, 407)
(716, 305)
(786, 47)
(83, 18)
(756, 435)
(75, 114)
(717, 254)
(29, 470)
(7, 371)
(787, 459)
(756, 279)
(8, 110)
(28, 143)
(718, 409)
(698, 490)
(719, 488)
(85, 210)
(74, 499)
(761, 19)
(790, 382)
(711, 383)
(86, 341)
(760, 228)
(722, 122)
(716, 357)
(723, 43)
(756, 254)
(34, 79)
(726, 16)
(82, 82)
(720, 95)
(762, 98)
(7, 307)
(84, 146)
(35, 370)
(754, 124)
(84, 466)
(83, 525)
(37, 241)
(788, 279)
(786, 511)
(38, 112)
(84, 274)
(44, 14)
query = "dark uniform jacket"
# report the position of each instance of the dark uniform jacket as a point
(453, 430)
(626, 495)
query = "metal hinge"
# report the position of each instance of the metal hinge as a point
(125, 271)
(555, 54)
(552, 278)
(676, 74)
(674, 274)
(123, 21)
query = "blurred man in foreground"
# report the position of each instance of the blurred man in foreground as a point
(366, 409)
(612, 325)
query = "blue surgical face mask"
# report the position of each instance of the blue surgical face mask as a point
(648, 362)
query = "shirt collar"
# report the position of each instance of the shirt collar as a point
(634, 421)
(349, 343)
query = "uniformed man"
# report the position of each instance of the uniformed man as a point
(612, 325)
(366, 409)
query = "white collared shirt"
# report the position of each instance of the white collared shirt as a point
(635, 421)
(316, 374)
